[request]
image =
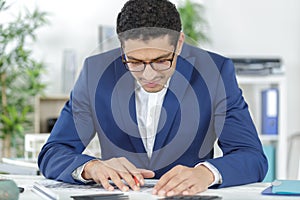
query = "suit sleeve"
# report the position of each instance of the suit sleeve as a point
(243, 159)
(72, 132)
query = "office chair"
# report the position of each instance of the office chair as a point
(294, 157)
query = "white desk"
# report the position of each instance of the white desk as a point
(246, 192)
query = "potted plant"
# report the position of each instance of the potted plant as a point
(193, 22)
(19, 76)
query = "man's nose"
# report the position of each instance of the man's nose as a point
(149, 73)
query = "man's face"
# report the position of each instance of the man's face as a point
(155, 53)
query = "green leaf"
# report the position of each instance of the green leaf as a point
(193, 22)
(22, 72)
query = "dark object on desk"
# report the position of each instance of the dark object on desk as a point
(194, 197)
(21, 189)
(8, 190)
(257, 66)
(101, 197)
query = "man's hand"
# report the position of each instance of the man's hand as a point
(184, 180)
(115, 169)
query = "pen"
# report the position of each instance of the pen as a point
(136, 181)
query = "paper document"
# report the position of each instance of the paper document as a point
(44, 192)
(57, 186)
(48, 189)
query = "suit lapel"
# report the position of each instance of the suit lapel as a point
(126, 110)
(176, 91)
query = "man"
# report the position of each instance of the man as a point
(157, 106)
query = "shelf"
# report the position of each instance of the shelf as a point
(272, 79)
(47, 107)
(252, 86)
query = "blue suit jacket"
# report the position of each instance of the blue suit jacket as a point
(203, 102)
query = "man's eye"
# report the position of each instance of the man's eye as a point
(163, 62)
(135, 64)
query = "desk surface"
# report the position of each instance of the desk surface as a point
(247, 192)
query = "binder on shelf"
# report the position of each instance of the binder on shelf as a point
(269, 151)
(270, 111)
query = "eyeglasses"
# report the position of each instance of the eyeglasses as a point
(156, 64)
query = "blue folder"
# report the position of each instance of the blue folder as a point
(270, 111)
(283, 187)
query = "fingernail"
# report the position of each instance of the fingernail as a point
(124, 189)
(142, 182)
(154, 191)
(135, 188)
(185, 193)
(111, 188)
(171, 193)
(161, 193)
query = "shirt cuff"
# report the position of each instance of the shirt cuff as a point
(215, 171)
(77, 173)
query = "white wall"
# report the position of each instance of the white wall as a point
(74, 25)
(237, 28)
(261, 28)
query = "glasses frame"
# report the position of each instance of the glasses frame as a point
(125, 62)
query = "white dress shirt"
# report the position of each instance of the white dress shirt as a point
(148, 108)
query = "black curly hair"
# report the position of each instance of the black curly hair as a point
(146, 19)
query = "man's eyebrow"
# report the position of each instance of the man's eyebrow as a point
(157, 58)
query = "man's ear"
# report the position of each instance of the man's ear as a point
(180, 43)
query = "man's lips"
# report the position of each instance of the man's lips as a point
(150, 84)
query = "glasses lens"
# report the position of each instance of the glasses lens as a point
(135, 66)
(161, 65)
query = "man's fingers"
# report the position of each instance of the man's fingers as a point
(100, 175)
(147, 173)
(194, 190)
(117, 169)
(160, 184)
(104, 182)
(134, 172)
(179, 188)
(176, 185)
(129, 179)
(163, 181)
(139, 174)
(115, 178)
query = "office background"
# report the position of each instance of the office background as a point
(248, 28)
